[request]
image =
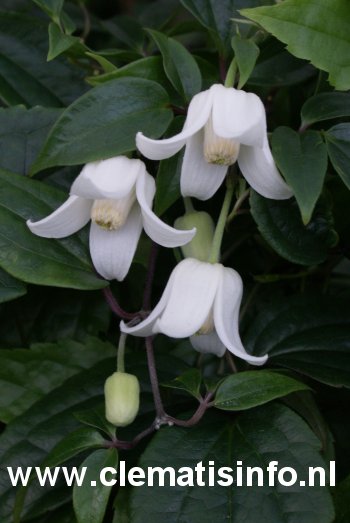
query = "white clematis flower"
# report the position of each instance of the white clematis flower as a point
(223, 125)
(117, 196)
(201, 300)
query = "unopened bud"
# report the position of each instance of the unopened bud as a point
(200, 246)
(122, 398)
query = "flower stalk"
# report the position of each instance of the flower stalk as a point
(231, 74)
(214, 256)
(121, 353)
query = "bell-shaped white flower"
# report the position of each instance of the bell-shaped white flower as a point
(117, 196)
(223, 125)
(201, 301)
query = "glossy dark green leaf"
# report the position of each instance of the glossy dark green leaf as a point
(168, 175)
(180, 66)
(277, 67)
(28, 375)
(61, 263)
(10, 288)
(338, 145)
(249, 389)
(190, 381)
(127, 31)
(309, 334)
(302, 159)
(30, 437)
(325, 106)
(74, 443)
(280, 224)
(246, 54)
(217, 16)
(118, 110)
(96, 418)
(51, 314)
(315, 31)
(22, 134)
(25, 75)
(90, 500)
(255, 438)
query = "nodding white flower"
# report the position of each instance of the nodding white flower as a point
(201, 300)
(117, 196)
(223, 125)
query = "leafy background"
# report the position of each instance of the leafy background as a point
(78, 79)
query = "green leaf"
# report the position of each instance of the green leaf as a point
(107, 66)
(74, 443)
(251, 388)
(96, 418)
(255, 437)
(277, 67)
(149, 68)
(30, 437)
(52, 8)
(302, 159)
(90, 502)
(280, 224)
(51, 314)
(180, 66)
(190, 381)
(127, 31)
(338, 145)
(62, 263)
(118, 110)
(25, 76)
(23, 132)
(309, 334)
(325, 106)
(60, 42)
(10, 288)
(246, 54)
(316, 31)
(217, 17)
(168, 175)
(28, 375)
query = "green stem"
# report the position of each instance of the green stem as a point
(121, 353)
(214, 256)
(244, 195)
(188, 205)
(231, 74)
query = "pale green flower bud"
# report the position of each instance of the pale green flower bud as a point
(200, 246)
(122, 398)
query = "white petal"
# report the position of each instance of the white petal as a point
(239, 115)
(191, 298)
(226, 315)
(259, 169)
(156, 229)
(198, 113)
(145, 327)
(71, 216)
(208, 344)
(112, 252)
(198, 177)
(112, 178)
